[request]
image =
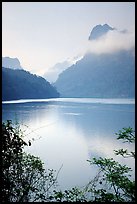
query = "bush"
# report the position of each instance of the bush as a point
(25, 180)
(23, 177)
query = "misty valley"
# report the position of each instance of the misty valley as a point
(69, 118)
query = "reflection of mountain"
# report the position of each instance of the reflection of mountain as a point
(105, 75)
(12, 63)
(20, 84)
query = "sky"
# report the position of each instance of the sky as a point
(43, 34)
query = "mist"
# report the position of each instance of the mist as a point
(112, 41)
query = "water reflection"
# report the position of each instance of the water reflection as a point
(70, 133)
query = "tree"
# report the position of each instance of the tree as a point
(24, 178)
(112, 182)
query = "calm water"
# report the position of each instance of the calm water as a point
(67, 132)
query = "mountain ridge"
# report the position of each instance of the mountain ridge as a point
(12, 63)
(104, 76)
(99, 30)
(21, 84)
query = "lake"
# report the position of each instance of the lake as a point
(66, 132)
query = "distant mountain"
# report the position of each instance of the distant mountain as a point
(12, 63)
(106, 75)
(52, 74)
(20, 84)
(99, 30)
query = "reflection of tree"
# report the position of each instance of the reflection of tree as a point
(112, 183)
(25, 180)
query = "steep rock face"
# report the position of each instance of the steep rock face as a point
(20, 84)
(12, 63)
(99, 30)
(105, 75)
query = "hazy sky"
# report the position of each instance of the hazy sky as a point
(41, 34)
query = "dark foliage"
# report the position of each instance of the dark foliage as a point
(23, 178)
(20, 84)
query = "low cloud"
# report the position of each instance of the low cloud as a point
(112, 41)
(76, 58)
(53, 72)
